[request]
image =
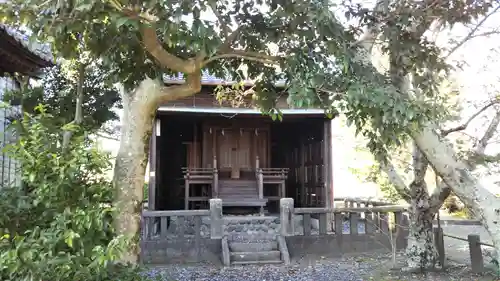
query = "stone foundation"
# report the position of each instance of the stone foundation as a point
(181, 251)
(176, 247)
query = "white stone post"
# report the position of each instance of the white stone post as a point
(287, 216)
(216, 220)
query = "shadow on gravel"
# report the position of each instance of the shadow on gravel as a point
(452, 273)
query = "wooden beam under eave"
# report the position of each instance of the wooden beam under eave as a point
(152, 186)
(327, 164)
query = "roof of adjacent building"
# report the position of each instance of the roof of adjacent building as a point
(20, 54)
(208, 79)
(41, 50)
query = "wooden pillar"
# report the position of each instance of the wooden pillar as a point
(215, 190)
(152, 186)
(327, 164)
(214, 142)
(302, 171)
(195, 146)
(328, 170)
(186, 191)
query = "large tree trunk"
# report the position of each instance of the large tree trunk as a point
(139, 108)
(138, 113)
(421, 252)
(456, 174)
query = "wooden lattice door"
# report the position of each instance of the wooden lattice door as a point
(234, 151)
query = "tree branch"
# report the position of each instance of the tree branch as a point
(420, 165)
(395, 179)
(470, 35)
(251, 56)
(488, 134)
(223, 25)
(442, 191)
(189, 88)
(107, 137)
(78, 106)
(466, 124)
(154, 47)
(226, 46)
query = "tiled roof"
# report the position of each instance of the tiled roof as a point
(39, 49)
(209, 79)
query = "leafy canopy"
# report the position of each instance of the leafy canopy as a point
(58, 93)
(320, 58)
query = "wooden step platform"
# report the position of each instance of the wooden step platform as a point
(251, 202)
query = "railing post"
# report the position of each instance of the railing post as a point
(186, 191)
(216, 180)
(402, 224)
(257, 163)
(439, 243)
(216, 220)
(287, 216)
(476, 254)
(282, 185)
(260, 177)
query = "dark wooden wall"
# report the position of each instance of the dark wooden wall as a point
(299, 146)
(296, 143)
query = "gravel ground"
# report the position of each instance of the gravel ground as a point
(362, 267)
(325, 270)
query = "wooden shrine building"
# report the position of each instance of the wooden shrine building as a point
(201, 150)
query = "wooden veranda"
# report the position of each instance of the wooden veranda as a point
(235, 192)
(248, 161)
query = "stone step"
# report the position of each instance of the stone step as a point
(237, 188)
(239, 197)
(237, 185)
(257, 246)
(256, 262)
(244, 203)
(255, 256)
(249, 219)
(239, 192)
(243, 237)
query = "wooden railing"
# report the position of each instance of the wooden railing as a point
(475, 248)
(346, 221)
(200, 176)
(155, 223)
(270, 176)
(192, 231)
(158, 235)
(353, 202)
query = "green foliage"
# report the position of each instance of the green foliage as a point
(318, 56)
(374, 174)
(56, 225)
(58, 93)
